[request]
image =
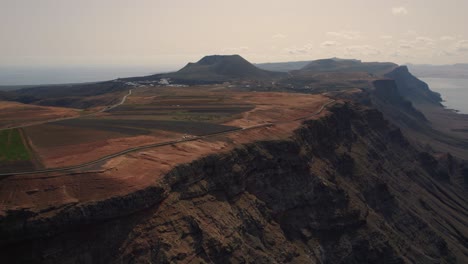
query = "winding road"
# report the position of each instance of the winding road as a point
(114, 106)
(73, 117)
(135, 149)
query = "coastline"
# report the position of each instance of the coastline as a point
(454, 92)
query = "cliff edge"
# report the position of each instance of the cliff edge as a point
(345, 188)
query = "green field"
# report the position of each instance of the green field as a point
(12, 147)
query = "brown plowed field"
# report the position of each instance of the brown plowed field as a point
(16, 114)
(156, 115)
(135, 171)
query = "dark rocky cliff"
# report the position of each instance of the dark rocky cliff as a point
(412, 88)
(347, 188)
(386, 97)
(387, 91)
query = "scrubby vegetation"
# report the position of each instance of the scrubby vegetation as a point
(12, 147)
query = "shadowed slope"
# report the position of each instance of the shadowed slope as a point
(413, 88)
(333, 65)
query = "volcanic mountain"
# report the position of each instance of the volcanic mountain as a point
(219, 66)
(358, 163)
(216, 69)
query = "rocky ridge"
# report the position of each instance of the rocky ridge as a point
(346, 188)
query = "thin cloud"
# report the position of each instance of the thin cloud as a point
(329, 44)
(411, 33)
(424, 41)
(362, 50)
(406, 45)
(296, 51)
(345, 34)
(235, 50)
(386, 37)
(462, 46)
(418, 43)
(444, 53)
(299, 50)
(399, 11)
(278, 36)
(308, 46)
(458, 48)
(447, 38)
(400, 54)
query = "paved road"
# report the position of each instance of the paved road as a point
(73, 117)
(121, 102)
(135, 149)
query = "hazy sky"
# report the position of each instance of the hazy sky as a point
(173, 32)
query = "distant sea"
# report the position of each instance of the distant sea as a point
(454, 92)
(10, 76)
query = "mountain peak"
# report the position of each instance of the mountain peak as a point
(222, 68)
(212, 59)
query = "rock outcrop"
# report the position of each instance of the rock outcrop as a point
(346, 188)
(386, 97)
(412, 88)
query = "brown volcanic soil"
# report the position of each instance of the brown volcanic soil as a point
(81, 153)
(213, 104)
(138, 170)
(17, 114)
(279, 108)
(345, 188)
(153, 116)
(154, 163)
(276, 107)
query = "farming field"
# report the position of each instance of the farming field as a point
(148, 116)
(12, 147)
(15, 114)
(155, 115)
(145, 127)
(14, 153)
(197, 104)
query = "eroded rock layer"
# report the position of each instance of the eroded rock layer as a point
(346, 188)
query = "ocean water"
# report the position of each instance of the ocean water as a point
(71, 74)
(454, 92)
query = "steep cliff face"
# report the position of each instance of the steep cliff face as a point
(386, 97)
(387, 92)
(409, 103)
(346, 188)
(412, 88)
